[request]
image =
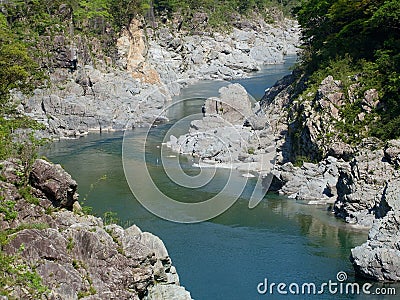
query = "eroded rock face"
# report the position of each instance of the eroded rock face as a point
(78, 255)
(392, 152)
(233, 105)
(379, 257)
(199, 55)
(363, 179)
(91, 94)
(95, 100)
(314, 182)
(361, 186)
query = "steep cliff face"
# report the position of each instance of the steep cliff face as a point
(78, 255)
(312, 126)
(379, 257)
(133, 48)
(321, 122)
(357, 176)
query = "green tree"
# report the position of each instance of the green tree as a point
(17, 69)
(368, 33)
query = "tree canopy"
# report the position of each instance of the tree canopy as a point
(364, 34)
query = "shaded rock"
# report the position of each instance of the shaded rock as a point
(341, 150)
(55, 183)
(361, 184)
(379, 257)
(392, 152)
(310, 182)
(75, 254)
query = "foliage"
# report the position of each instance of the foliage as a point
(70, 244)
(110, 217)
(15, 273)
(7, 209)
(220, 12)
(300, 160)
(362, 38)
(26, 193)
(17, 140)
(17, 69)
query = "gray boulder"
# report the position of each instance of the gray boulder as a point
(76, 255)
(392, 152)
(314, 182)
(379, 257)
(55, 183)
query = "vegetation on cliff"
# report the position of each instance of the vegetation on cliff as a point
(18, 71)
(358, 43)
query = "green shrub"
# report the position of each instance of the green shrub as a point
(7, 207)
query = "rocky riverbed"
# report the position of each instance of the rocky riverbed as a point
(357, 182)
(79, 255)
(153, 65)
(234, 133)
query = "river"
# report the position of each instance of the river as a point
(227, 257)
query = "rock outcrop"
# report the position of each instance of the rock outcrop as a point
(179, 55)
(152, 66)
(230, 135)
(359, 175)
(78, 255)
(379, 257)
(55, 183)
(313, 182)
(361, 187)
(93, 100)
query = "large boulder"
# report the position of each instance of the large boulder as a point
(233, 104)
(77, 255)
(392, 152)
(55, 183)
(313, 182)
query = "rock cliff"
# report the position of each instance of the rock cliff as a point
(355, 174)
(151, 66)
(379, 257)
(78, 255)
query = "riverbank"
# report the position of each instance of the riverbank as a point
(154, 64)
(359, 180)
(358, 184)
(74, 255)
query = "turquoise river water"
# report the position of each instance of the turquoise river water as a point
(281, 240)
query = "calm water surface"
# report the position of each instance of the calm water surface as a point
(225, 258)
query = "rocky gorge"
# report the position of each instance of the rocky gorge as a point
(153, 64)
(358, 182)
(76, 255)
